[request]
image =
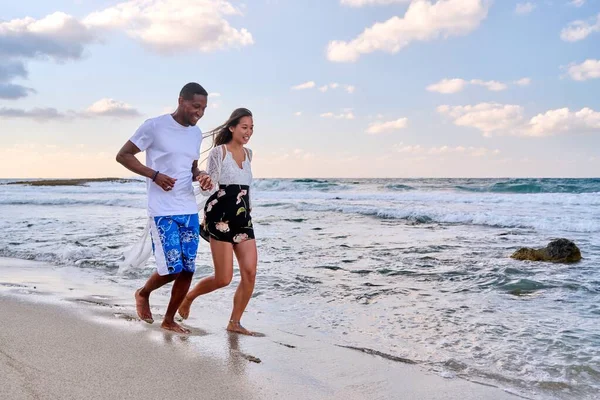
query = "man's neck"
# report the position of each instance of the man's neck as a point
(179, 119)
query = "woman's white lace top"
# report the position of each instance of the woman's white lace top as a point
(224, 170)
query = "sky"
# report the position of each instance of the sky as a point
(338, 88)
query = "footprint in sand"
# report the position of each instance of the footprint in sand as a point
(126, 317)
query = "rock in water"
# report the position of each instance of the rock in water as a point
(559, 250)
(563, 250)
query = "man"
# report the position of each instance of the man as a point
(172, 145)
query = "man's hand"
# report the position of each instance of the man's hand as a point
(165, 182)
(205, 181)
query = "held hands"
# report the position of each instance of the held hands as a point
(205, 181)
(165, 182)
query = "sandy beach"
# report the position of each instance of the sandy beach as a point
(57, 342)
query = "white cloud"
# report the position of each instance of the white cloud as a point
(487, 117)
(57, 36)
(305, 85)
(490, 85)
(589, 69)
(523, 82)
(168, 26)
(564, 121)
(577, 3)
(216, 94)
(450, 86)
(344, 115)
(381, 127)
(157, 24)
(524, 8)
(493, 118)
(445, 150)
(111, 108)
(298, 113)
(362, 3)
(422, 21)
(579, 30)
(334, 85)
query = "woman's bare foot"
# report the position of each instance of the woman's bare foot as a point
(174, 326)
(184, 308)
(236, 327)
(142, 306)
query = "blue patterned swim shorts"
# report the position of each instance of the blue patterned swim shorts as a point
(175, 243)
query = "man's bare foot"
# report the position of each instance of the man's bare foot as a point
(174, 326)
(184, 308)
(142, 306)
(236, 327)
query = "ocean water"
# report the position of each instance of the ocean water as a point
(411, 268)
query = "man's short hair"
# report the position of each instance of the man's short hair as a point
(191, 89)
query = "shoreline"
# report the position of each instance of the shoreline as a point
(68, 181)
(72, 339)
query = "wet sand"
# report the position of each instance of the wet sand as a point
(59, 346)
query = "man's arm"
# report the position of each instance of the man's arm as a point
(201, 176)
(196, 171)
(126, 157)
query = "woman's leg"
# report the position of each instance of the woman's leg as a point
(222, 254)
(246, 255)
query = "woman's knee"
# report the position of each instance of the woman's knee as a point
(223, 280)
(248, 275)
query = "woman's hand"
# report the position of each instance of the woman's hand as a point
(204, 181)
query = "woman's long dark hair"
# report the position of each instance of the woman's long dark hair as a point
(222, 134)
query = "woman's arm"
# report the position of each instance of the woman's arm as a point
(213, 168)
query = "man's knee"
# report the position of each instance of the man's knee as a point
(185, 275)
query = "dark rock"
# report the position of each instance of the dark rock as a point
(559, 250)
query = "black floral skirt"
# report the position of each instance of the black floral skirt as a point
(227, 215)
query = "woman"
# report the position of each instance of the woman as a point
(227, 224)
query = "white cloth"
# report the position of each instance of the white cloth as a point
(170, 148)
(224, 170)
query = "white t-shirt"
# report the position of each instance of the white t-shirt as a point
(170, 148)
